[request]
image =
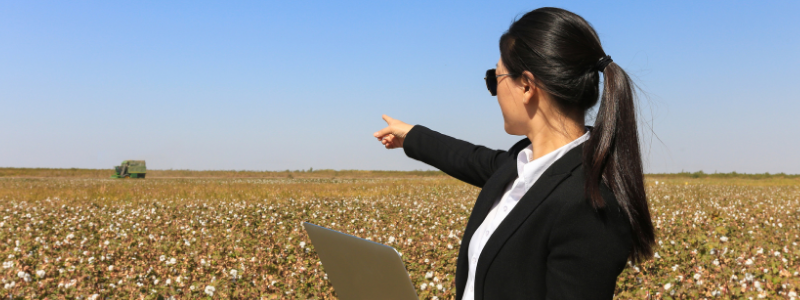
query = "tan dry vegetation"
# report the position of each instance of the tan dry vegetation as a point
(76, 237)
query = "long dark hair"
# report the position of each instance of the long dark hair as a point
(563, 52)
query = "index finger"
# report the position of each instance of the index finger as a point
(383, 132)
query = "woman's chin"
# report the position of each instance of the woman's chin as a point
(510, 130)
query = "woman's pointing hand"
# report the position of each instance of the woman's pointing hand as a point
(393, 135)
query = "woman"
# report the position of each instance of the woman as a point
(562, 211)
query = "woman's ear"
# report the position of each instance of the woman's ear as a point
(528, 87)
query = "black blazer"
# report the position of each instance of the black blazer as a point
(552, 245)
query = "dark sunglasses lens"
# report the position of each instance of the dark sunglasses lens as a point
(491, 81)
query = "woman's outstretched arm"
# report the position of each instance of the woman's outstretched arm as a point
(470, 163)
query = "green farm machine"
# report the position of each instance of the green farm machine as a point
(130, 168)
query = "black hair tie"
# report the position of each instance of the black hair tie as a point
(602, 63)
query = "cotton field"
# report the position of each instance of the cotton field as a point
(70, 238)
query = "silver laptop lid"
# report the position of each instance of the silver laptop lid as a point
(360, 269)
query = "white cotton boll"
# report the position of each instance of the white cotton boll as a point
(24, 275)
(210, 290)
(423, 286)
(428, 275)
(723, 239)
(302, 244)
(696, 276)
(93, 297)
(111, 268)
(667, 286)
(40, 273)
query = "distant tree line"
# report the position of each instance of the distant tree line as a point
(701, 174)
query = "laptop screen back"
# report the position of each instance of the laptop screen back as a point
(360, 269)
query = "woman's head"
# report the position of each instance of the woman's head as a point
(561, 50)
(527, 108)
(557, 54)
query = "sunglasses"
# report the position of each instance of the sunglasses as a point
(491, 80)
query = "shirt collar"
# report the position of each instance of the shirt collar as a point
(529, 171)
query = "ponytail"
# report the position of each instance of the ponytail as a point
(564, 53)
(612, 155)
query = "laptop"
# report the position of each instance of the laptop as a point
(360, 269)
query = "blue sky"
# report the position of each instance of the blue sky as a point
(275, 85)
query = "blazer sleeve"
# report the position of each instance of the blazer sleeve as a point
(462, 160)
(587, 252)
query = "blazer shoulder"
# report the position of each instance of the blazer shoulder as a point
(574, 209)
(572, 193)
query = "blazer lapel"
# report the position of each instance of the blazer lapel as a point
(549, 180)
(492, 190)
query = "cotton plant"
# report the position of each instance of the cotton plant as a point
(223, 238)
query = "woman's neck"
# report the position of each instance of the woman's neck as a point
(548, 137)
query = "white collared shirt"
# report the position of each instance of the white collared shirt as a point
(527, 173)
